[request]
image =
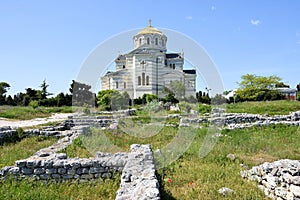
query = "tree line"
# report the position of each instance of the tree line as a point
(251, 88)
(40, 97)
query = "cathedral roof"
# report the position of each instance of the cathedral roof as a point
(173, 55)
(150, 30)
(189, 71)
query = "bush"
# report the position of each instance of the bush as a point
(153, 106)
(34, 104)
(170, 98)
(203, 108)
(184, 107)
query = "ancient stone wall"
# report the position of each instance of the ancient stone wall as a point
(138, 179)
(278, 180)
(243, 120)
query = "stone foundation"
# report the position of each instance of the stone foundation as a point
(278, 180)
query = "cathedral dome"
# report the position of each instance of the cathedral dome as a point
(150, 30)
(150, 37)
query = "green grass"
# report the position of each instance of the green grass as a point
(193, 178)
(264, 107)
(9, 153)
(24, 113)
(190, 177)
(77, 149)
(30, 189)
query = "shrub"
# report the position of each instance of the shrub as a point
(203, 108)
(153, 106)
(34, 104)
(184, 106)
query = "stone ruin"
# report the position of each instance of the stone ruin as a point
(279, 180)
(138, 179)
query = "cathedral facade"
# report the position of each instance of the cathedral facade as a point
(148, 68)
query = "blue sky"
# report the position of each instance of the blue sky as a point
(51, 39)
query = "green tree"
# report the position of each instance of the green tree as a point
(203, 97)
(113, 100)
(44, 91)
(171, 98)
(147, 98)
(282, 85)
(258, 88)
(3, 89)
(9, 101)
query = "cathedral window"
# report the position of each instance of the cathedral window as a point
(139, 80)
(143, 78)
(148, 40)
(147, 80)
(156, 41)
(124, 84)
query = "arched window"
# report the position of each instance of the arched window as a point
(148, 40)
(143, 78)
(117, 84)
(162, 42)
(140, 41)
(156, 41)
(123, 66)
(124, 84)
(147, 80)
(170, 65)
(173, 66)
(139, 80)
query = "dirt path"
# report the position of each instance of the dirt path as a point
(33, 122)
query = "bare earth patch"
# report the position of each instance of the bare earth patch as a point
(34, 122)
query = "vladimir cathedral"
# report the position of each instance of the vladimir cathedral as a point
(148, 68)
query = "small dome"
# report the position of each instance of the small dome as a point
(150, 30)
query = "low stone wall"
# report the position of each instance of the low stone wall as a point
(59, 167)
(7, 132)
(138, 180)
(243, 120)
(279, 180)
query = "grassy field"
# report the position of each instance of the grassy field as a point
(193, 178)
(9, 153)
(189, 177)
(30, 189)
(24, 113)
(282, 107)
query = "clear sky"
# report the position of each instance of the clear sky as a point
(51, 39)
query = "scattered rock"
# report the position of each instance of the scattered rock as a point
(231, 157)
(225, 191)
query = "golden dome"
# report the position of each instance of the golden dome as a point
(150, 30)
